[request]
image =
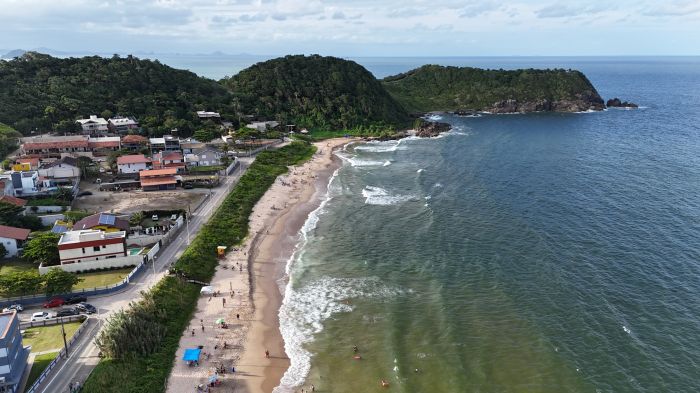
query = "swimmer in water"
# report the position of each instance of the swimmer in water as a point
(354, 348)
(385, 384)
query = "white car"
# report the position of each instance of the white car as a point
(40, 316)
(154, 217)
(17, 307)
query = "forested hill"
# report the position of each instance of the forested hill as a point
(38, 91)
(315, 91)
(438, 88)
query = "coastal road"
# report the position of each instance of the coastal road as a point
(83, 355)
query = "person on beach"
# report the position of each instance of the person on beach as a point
(192, 332)
(238, 316)
(267, 354)
(223, 301)
(202, 327)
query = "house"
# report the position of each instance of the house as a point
(133, 163)
(105, 222)
(20, 183)
(206, 156)
(26, 164)
(158, 179)
(91, 245)
(54, 146)
(262, 126)
(208, 115)
(134, 142)
(166, 143)
(94, 125)
(122, 125)
(13, 361)
(60, 172)
(101, 146)
(13, 239)
(173, 159)
(12, 200)
(188, 145)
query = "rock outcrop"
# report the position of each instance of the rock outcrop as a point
(431, 129)
(585, 101)
(617, 103)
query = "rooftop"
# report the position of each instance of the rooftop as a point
(12, 200)
(133, 159)
(5, 320)
(92, 119)
(87, 235)
(158, 172)
(134, 139)
(99, 219)
(14, 233)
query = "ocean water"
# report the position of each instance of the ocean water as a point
(517, 253)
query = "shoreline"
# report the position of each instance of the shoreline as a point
(254, 273)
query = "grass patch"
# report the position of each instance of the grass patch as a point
(40, 364)
(178, 299)
(100, 279)
(46, 338)
(210, 168)
(8, 266)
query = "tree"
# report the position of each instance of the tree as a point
(3, 251)
(84, 164)
(58, 281)
(9, 213)
(21, 283)
(43, 248)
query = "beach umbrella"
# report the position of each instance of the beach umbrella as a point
(208, 290)
(220, 321)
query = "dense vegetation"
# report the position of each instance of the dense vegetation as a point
(143, 364)
(42, 92)
(438, 88)
(8, 140)
(30, 282)
(315, 92)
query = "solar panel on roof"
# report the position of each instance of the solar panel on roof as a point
(59, 229)
(107, 219)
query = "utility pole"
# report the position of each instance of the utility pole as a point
(63, 333)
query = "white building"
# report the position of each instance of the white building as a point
(91, 245)
(122, 125)
(262, 126)
(12, 239)
(133, 163)
(63, 171)
(19, 184)
(203, 157)
(94, 125)
(208, 115)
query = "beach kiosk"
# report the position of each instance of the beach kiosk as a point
(221, 251)
(191, 356)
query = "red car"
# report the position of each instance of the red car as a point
(55, 302)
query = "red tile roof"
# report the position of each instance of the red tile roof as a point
(12, 200)
(133, 159)
(103, 144)
(158, 172)
(135, 139)
(157, 181)
(14, 233)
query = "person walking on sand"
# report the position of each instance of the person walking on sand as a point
(238, 316)
(267, 354)
(192, 332)
(223, 301)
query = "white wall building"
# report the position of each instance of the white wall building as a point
(91, 245)
(12, 239)
(93, 125)
(134, 163)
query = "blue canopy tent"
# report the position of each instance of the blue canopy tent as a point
(192, 355)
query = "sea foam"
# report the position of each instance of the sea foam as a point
(380, 196)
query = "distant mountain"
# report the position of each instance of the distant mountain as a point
(13, 53)
(438, 88)
(315, 91)
(38, 91)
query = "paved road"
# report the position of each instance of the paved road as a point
(83, 355)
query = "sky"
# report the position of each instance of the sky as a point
(355, 27)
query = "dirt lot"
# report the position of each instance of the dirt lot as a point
(134, 201)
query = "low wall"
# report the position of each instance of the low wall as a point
(131, 260)
(232, 167)
(52, 321)
(45, 209)
(50, 219)
(143, 240)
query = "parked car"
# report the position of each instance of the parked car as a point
(86, 308)
(17, 307)
(40, 316)
(67, 312)
(76, 299)
(154, 217)
(55, 302)
(188, 186)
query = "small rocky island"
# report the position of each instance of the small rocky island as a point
(617, 103)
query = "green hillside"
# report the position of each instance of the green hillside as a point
(8, 140)
(315, 91)
(438, 88)
(41, 92)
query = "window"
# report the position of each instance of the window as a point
(96, 248)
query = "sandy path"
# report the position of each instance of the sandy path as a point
(252, 311)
